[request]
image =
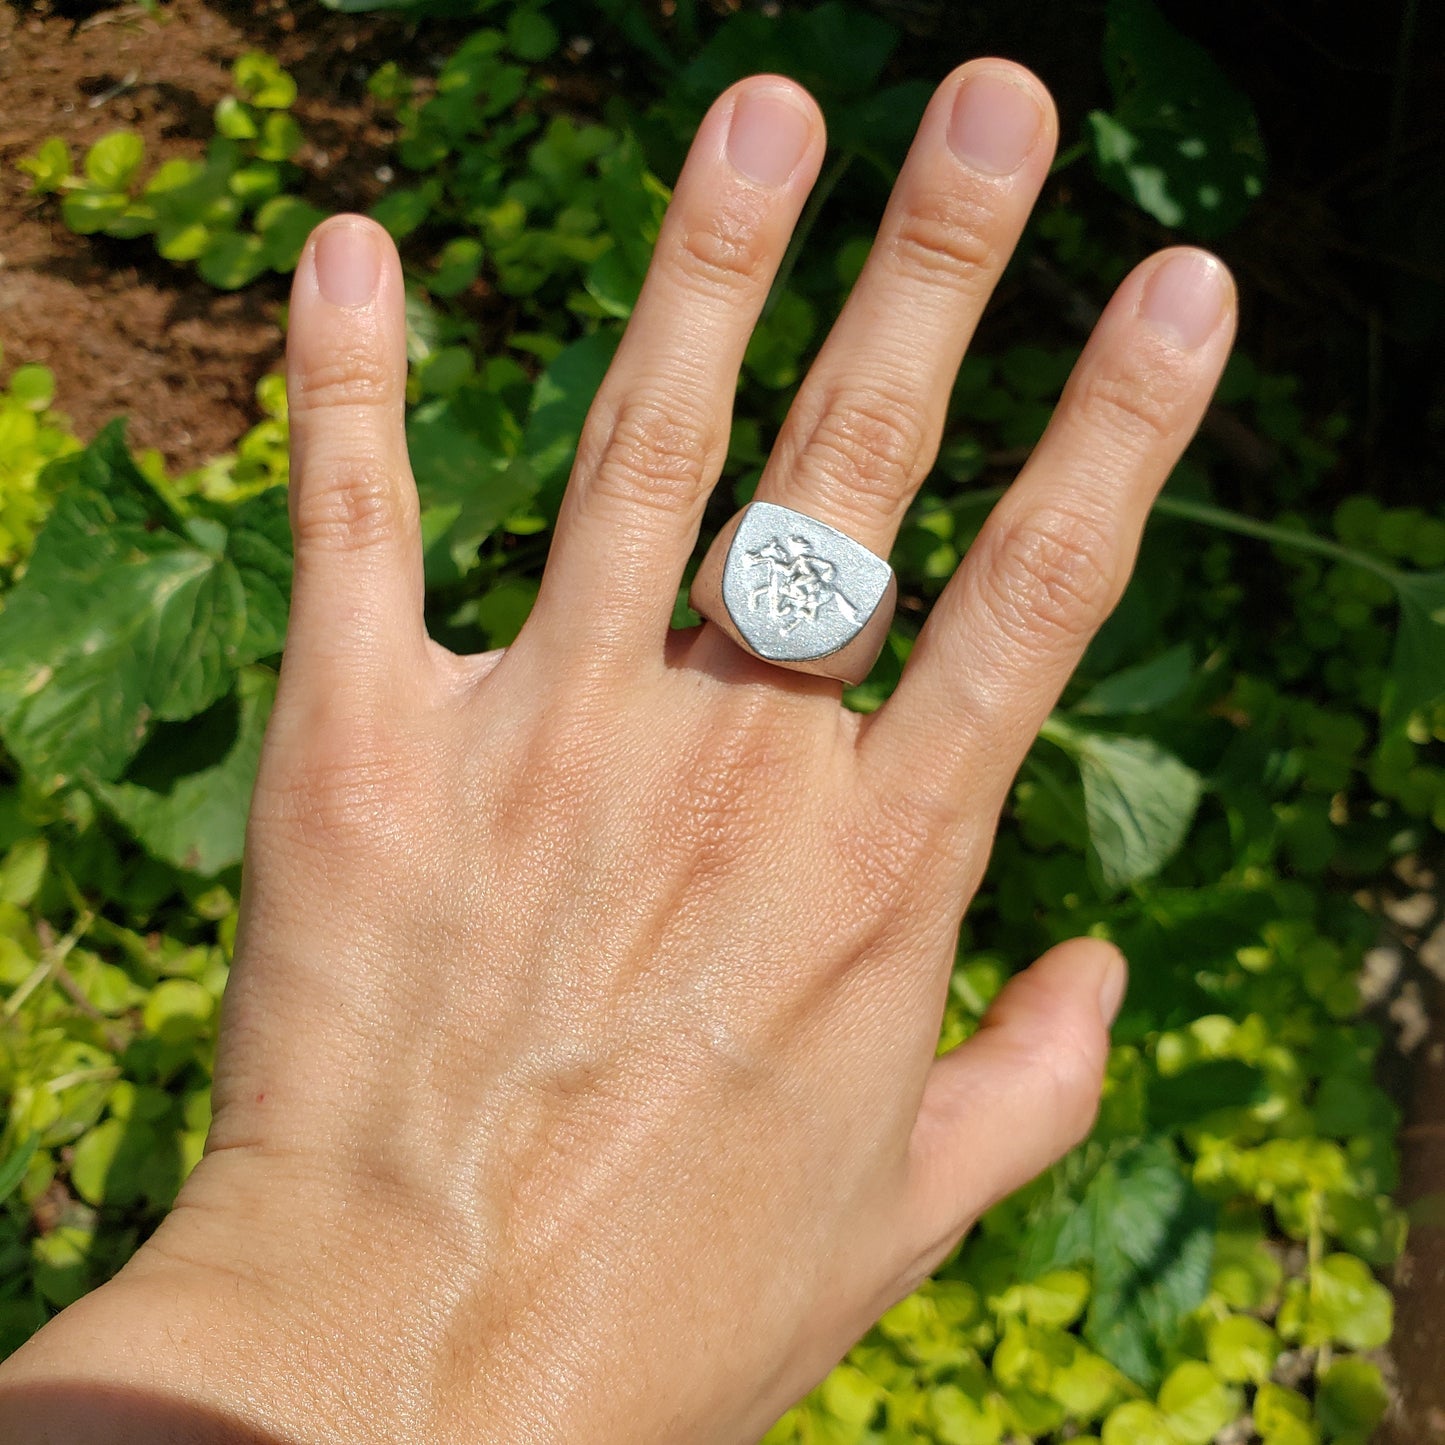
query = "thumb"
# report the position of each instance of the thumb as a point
(1003, 1106)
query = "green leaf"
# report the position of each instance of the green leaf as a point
(1181, 142)
(283, 224)
(32, 386)
(260, 80)
(530, 35)
(403, 209)
(775, 350)
(560, 403)
(90, 211)
(1137, 1422)
(458, 265)
(22, 870)
(114, 159)
(186, 795)
(1348, 1302)
(1417, 670)
(1243, 1349)
(1197, 1404)
(48, 166)
(124, 619)
(1150, 1239)
(467, 475)
(178, 1009)
(231, 259)
(235, 120)
(1185, 1097)
(1144, 688)
(280, 137)
(1139, 800)
(958, 1420)
(12, 1171)
(1352, 1396)
(1282, 1416)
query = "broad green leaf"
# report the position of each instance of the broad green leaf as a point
(124, 619)
(259, 79)
(89, 211)
(48, 166)
(1181, 142)
(1150, 1239)
(458, 265)
(402, 209)
(468, 476)
(1143, 688)
(560, 402)
(959, 1420)
(1282, 1416)
(32, 386)
(1417, 670)
(235, 120)
(186, 797)
(112, 161)
(22, 870)
(1350, 1303)
(1352, 1395)
(530, 35)
(178, 1009)
(1139, 800)
(280, 137)
(1137, 1422)
(1243, 1349)
(1197, 1404)
(231, 259)
(283, 225)
(1189, 1095)
(12, 1171)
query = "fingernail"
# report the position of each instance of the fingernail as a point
(994, 125)
(1184, 299)
(767, 137)
(348, 264)
(1112, 988)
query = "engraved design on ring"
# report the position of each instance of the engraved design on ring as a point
(797, 592)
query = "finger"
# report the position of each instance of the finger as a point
(1003, 1106)
(356, 608)
(657, 434)
(1056, 552)
(864, 429)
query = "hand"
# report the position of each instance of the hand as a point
(577, 1077)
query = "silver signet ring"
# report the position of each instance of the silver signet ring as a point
(793, 590)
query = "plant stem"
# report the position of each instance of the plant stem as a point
(827, 184)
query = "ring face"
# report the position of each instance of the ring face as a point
(796, 589)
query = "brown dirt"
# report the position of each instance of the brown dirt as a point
(124, 330)
(1416, 924)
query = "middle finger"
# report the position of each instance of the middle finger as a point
(864, 428)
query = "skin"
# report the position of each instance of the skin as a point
(577, 1074)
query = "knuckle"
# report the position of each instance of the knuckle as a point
(1132, 406)
(870, 445)
(348, 375)
(901, 839)
(947, 239)
(656, 455)
(347, 504)
(1051, 574)
(726, 252)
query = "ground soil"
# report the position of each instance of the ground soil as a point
(125, 331)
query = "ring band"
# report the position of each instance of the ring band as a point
(794, 591)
